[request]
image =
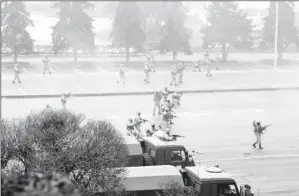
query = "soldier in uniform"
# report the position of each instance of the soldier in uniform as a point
(165, 93)
(17, 72)
(152, 63)
(196, 66)
(181, 72)
(131, 128)
(173, 73)
(121, 74)
(176, 97)
(63, 100)
(138, 121)
(46, 62)
(258, 131)
(147, 73)
(205, 55)
(208, 68)
(157, 102)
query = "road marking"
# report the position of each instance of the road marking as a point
(253, 157)
(21, 91)
(25, 70)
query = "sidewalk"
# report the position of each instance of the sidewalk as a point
(105, 84)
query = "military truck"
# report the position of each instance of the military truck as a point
(160, 152)
(153, 151)
(135, 152)
(204, 180)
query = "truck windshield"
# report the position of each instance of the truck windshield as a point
(227, 190)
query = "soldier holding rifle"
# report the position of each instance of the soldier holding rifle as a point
(258, 131)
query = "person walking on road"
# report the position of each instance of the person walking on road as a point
(157, 102)
(63, 99)
(181, 72)
(152, 63)
(209, 68)
(121, 75)
(258, 131)
(173, 73)
(147, 73)
(17, 72)
(46, 62)
(206, 55)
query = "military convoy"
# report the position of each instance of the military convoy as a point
(152, 160)
(204, 180)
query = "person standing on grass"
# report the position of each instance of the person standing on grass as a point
(17, 72)
(46, 62)
(181, 69)
(63, 99)
(173, 73)
(121, 74)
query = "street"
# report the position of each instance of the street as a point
(218, 125)
(106, 82)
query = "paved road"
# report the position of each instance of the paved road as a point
(105, 82)
(219, 125)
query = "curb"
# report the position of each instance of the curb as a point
(150, 93)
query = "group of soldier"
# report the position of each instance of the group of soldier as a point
(165, 107)
(17, 70)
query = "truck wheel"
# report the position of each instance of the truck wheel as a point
(147, 160)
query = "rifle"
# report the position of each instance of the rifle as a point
(176, 136)
(265, 128)
(68, 94)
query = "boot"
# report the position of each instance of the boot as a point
(254, 145)
(260, 147)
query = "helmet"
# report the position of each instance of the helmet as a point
(130, 119)
(167, 130)
(153, 125)
(138, 113)
(166, 88)
(258, 123)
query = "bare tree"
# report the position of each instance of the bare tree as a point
(172, 188)
(58, 141)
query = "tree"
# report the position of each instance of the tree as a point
(175, 36)
(126, 30)
(74, 28)
(228, 26)
(15, 20)
(38, 184)
(287, 32)
(60, 142)
(172, 188)
(7, 143)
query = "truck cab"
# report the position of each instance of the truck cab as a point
(213, 181)
(160, 152)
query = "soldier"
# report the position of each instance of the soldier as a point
(131, 128)
(167, 135)
(152, 63)
(181, 72)
(173, 73)
(146, 71)
(46, 62)
(17, 72)
(165, 93)
(121, 74)
(157, 102)
(196, 66)
(208, 68)
(63, 100)
(206, 55)
(139, 121)
(258, 131)
(176, 97)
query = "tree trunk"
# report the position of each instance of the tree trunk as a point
(15, 55)
(174, 56)
(75, 55)
(225, 51)
(127, 54)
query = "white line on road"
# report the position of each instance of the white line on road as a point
(19, 89)
(253, 157)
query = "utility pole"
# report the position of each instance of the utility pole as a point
(276, 37)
